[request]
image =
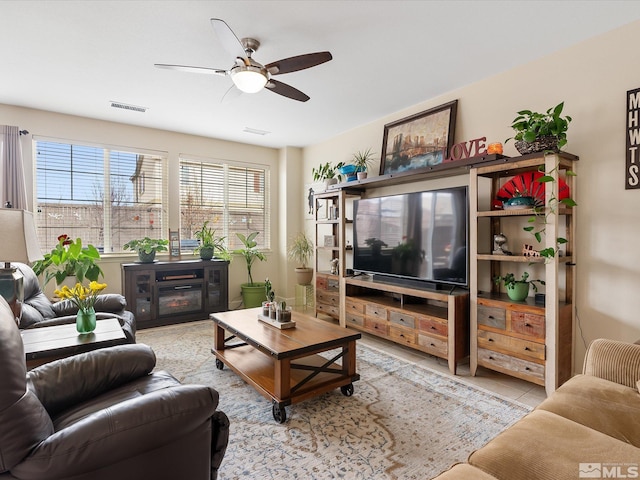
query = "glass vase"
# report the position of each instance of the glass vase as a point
(86, 321)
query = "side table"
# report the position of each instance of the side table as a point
(45, 344)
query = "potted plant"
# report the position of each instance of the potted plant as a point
(252, 292)
(362, 161)
(210, 244)
(327, 173)
(300, 251)
(69, 259)
(517, 290)
(538, 132)
(147, 248)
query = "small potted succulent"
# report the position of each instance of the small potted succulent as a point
(146, 248)
(517, 290)
(539, 132)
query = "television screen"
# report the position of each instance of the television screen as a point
(421, 236)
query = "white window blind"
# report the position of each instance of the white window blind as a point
(71, 181)
(232, 198)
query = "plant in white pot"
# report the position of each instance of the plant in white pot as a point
(252, 292)
(362, 160)
(300, 251)
(327, 173)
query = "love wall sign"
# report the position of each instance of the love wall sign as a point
(632, 171)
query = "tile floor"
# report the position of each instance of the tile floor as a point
(510, 387)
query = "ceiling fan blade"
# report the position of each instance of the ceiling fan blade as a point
(186, 68)
(231, 94)
(228, 39)
(300, 62)
(286, 90)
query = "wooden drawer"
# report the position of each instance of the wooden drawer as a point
(402, 318)
(327, 297)
(332, 310)
(376, 326)
(528, 324)
(354, 319)
(492, 317)
(333, 284)
(321, 283)
(402, 335)
(517, 367)
(432, 345)
(357, 308)
(430, 325)
(524, 349)
(375, 310)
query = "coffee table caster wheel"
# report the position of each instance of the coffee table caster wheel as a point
(347, 390)
(219, 364)
(279, 413)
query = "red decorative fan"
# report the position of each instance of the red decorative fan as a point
(527, 185)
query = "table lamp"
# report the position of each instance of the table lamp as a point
(18, 243)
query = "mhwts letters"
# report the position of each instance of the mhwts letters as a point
(633, 140)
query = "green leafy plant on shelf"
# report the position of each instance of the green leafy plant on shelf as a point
(211, 243)
(531, 126)
(326, 171)
(540, 219)
(509, 280)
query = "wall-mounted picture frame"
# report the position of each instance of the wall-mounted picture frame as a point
(419, 141)
(329, 241)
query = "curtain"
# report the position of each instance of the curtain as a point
(13, 185)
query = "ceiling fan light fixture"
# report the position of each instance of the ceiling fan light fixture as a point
(248, 78)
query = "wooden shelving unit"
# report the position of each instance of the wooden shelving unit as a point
(523, 339)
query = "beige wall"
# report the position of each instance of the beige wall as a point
(592, 78)
(66, 127)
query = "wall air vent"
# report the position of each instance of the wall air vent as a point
(255, 131)
(125, 106)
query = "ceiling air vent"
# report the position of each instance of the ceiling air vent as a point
(125, 106)
(255, 131)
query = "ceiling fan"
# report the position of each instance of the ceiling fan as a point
(250, 76)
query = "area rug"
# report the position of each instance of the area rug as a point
(404, 421)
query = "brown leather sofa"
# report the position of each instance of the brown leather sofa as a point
(103, 415)
(38, 311)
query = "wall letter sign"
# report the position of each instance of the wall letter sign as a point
(633, 140)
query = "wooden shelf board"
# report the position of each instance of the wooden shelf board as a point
(519, 258)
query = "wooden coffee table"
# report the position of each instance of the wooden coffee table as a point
(284, 365)
(45, 344)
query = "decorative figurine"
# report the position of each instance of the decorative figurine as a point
(334, 266)
(499, 241)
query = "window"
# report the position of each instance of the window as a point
(233, 198)
(71, 181)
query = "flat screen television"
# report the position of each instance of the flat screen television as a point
(414, 238)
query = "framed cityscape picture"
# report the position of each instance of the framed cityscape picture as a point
(419, 141)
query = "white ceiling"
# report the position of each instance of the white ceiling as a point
(75, 57)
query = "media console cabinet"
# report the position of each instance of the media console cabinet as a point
(163, 293)
(433, 321)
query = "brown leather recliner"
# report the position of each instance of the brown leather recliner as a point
(38, 311)
(103, 415)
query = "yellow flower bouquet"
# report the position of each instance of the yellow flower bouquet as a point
(84, 298)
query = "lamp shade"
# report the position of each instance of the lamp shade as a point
(249, 79)
(19, 241)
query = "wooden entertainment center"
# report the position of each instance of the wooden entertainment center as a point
(528, 340)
